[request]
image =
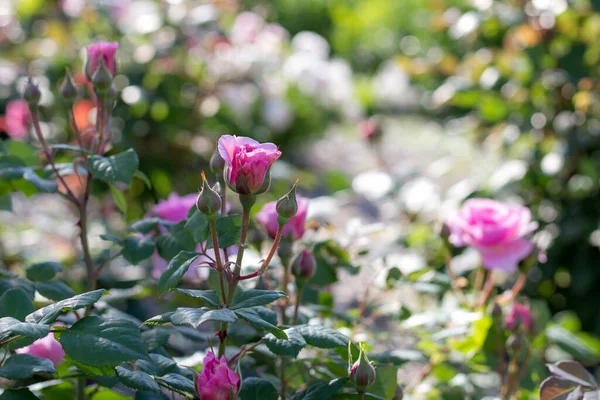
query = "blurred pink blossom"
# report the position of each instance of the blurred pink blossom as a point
(47, 347)
(267, 217)
(217, 381)
(520, 314)
(17, 119)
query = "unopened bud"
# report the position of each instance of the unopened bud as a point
(287, 206)
(32, 94)
(217, 164)
(102, 80)
(496, 312)
(362, 372)
(209, 201)
(68, 90)
(304, 266)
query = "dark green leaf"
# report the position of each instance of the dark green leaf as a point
(43, 271)
(179, 382)
(26, 285)
(154, 339)
(18, 394)
(258, 389)
(11, 167)
(198, 226)
(49, 313)
(98, 342)
(5, 203)
(208, 296)
(23, 366)
(110, 238)
(178, 239)
(160, 319)
(54, 290)
(175, 270)
(196, 316)
(137, 380)
(255, 297)
(16, 303)
(158, 365)
(118, 168)
(255, 317)
(321, 391)
(282, 347)
(572, 344)
(321, 336)
(137, 248)
(92, 371)
(145, 225)
(228, 231)
(71, 148)
(11, 327)
(386, 381)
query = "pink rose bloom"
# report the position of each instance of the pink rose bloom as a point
(175, 208)
(247, 162)
(497, 230)
(267, 217)
(17, 119)
(217, 381)
(246, 27)
(46, 347)
(520, 314)
(106, 51)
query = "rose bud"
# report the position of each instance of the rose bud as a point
(287, 206)
(32, 94)
(304, 266)
(102, 80)
(68, 90)
(294, 228)
(217, 164)
(101, 52)
(520, 315)
(362, 372)
(217, 381)
(208, 202)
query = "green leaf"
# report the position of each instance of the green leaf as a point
(178, 239)
(43, 185)
(16, 303)
(71, 148)
(18, 394)
(386, 381)
(178, 266)
(255, 316)
(92, 371)
(43, 271)
(145, 225)
(282, 347)
(54, 290)
(21, 283)
(154, 339)
(49, 313)
(98, 342)
(255, 297)
(572, 344)
(110, 238)
(118, 168)
(23, 366)
(196, 316)
(228, 231)
(144, 178)
(179, 382)
(119, 198)
(321, 336)
(258, 389)
(137, 380)
(5, 203)
(198, 226)
(321, 391)
(137, 248)
(11, 167)
(160, 319)
(159, 365)
(11, 327)
(208, 296)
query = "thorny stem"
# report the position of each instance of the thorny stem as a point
(35, 119)
(283, 379)
(361, 395)
(75, 129)
(453, 277)
(215, 239)
(100, 124)
(487, 290)
(223, 206)
(297, 305)
(267, 261)
(80, 388)
(284, 286)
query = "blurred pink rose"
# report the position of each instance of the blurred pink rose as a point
(520, 314)
(370, 129)
(497, 230)
(247, 162)
(267, 217)
(46, 347)
(101, 50)
(17, 119)
(246, 27)
(175, 208)
(217, 381)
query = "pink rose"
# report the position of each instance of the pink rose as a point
(497, 230)
(370, 129)
(247, 162)
(106, 51)
(217, 381)
(46, 347)
(246, 27)
(175, 208)
(17, 119)
(267, 217)
(520, 314)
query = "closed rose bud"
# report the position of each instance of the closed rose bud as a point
(304, 265)
(362, 372)
(294, 227)
(217, 381)
(209, 201)
(217, 164)
(98, 52)
(287, 206)
(496, 312)
(520, 315)
(246, 163)
(68, 90)
(32, 94)
(102, 80)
